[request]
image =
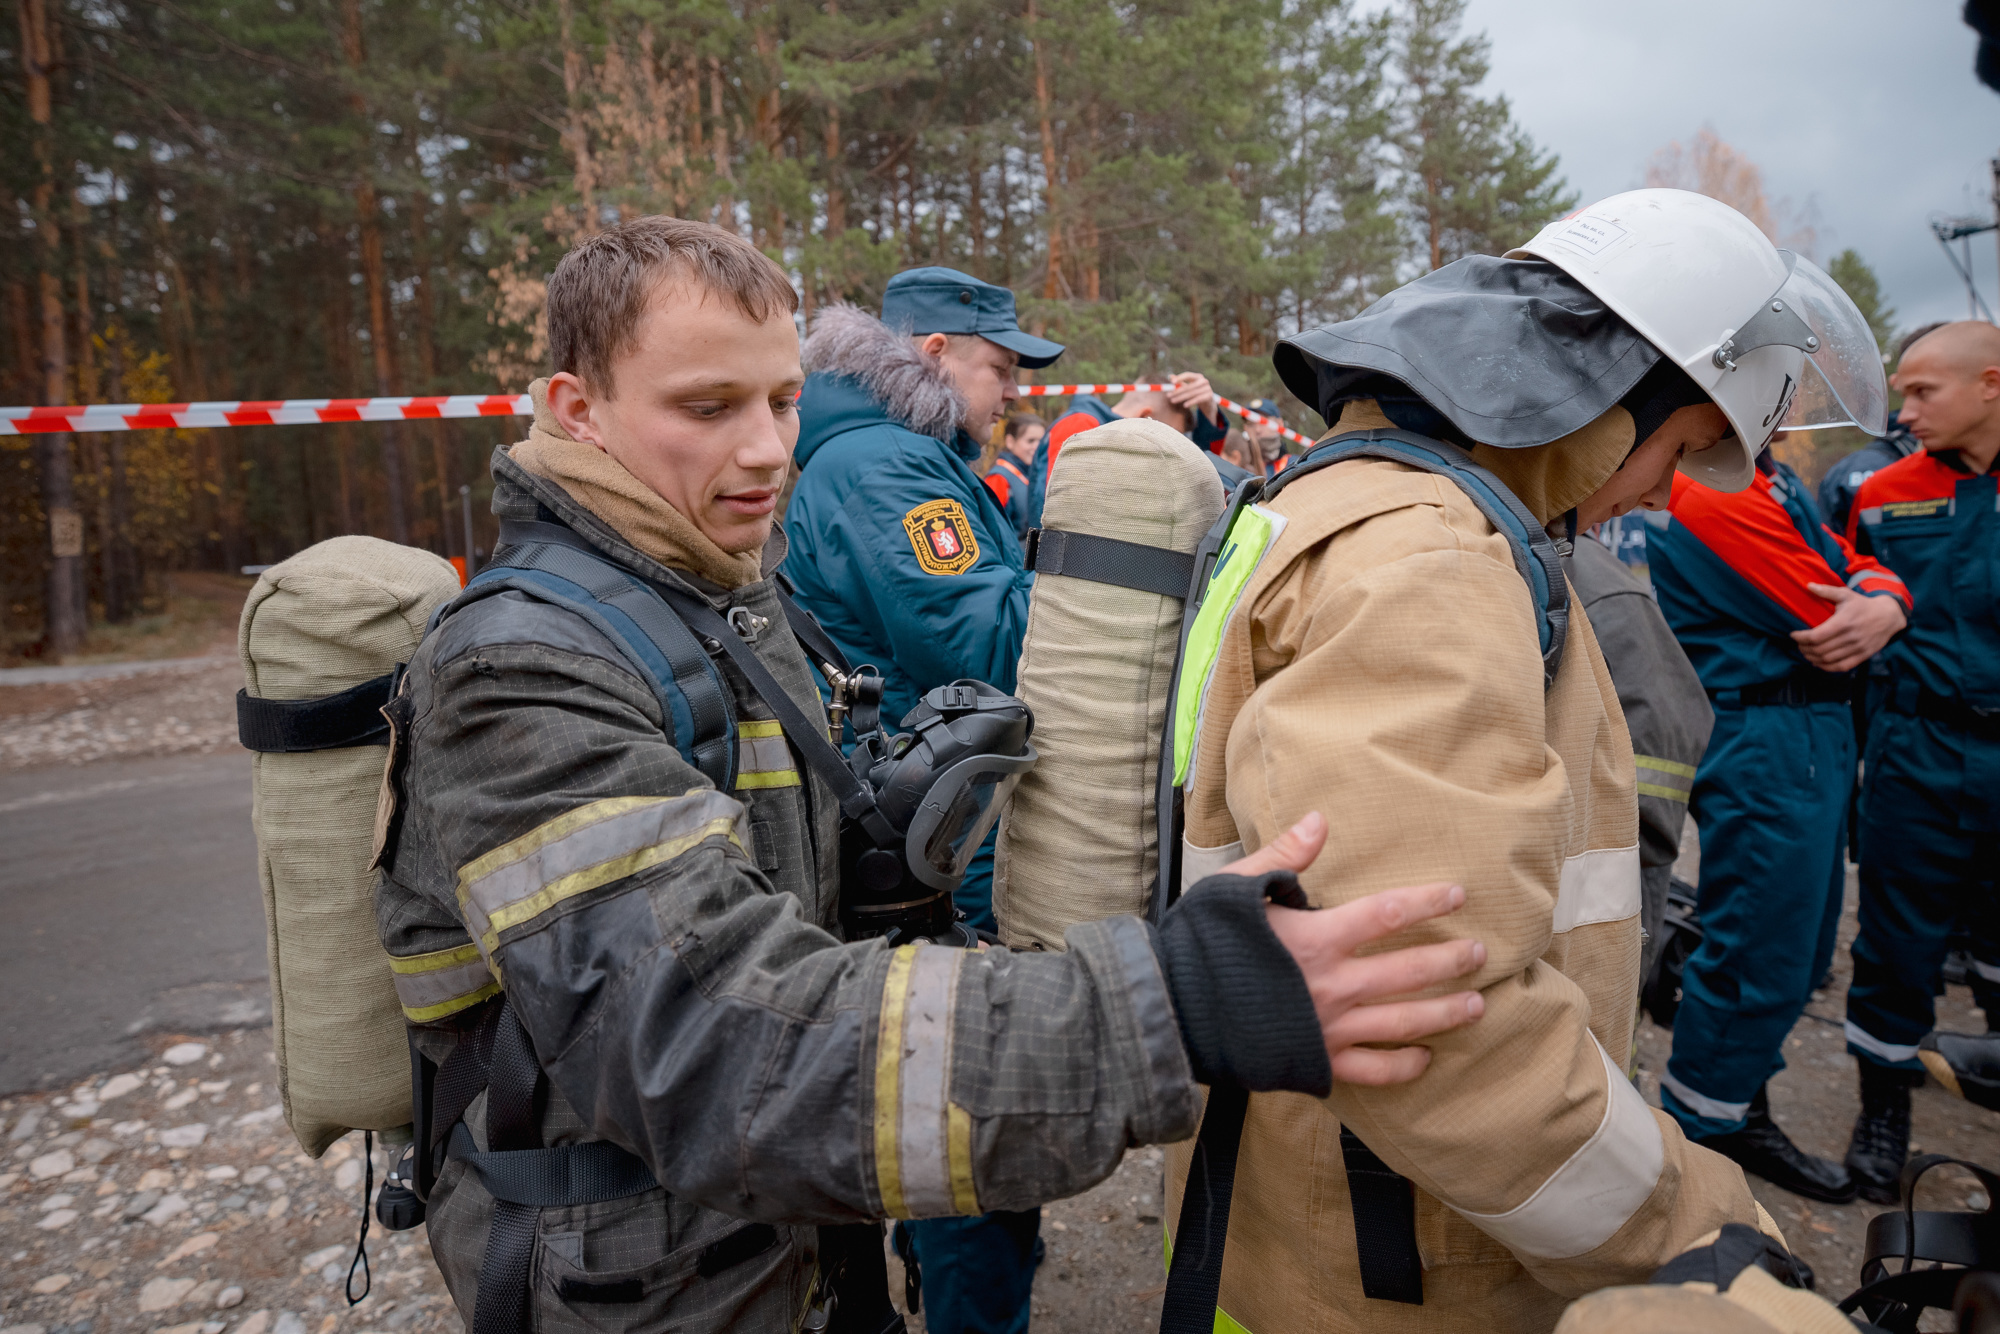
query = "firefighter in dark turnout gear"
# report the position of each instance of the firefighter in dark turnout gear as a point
(685, 1069)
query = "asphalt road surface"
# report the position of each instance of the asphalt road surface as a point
(130, 902)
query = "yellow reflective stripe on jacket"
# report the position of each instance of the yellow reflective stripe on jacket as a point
(431, 986)
(1250, 536)
(1657, 778)
(923, 1140)
(582, 849)
(763, 759)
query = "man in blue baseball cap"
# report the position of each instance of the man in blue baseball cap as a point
(910, 563)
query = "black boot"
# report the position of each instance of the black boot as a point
(1881, 1141)
(1761, 1147)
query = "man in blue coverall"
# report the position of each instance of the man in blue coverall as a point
(910, 563)
(1844, 478)
(1775, 611)
(1930, 827)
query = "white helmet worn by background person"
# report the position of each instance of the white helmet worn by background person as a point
(1743, 318)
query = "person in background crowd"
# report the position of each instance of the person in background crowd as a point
(1844, 478)
(1010, 477)
(1666, 713)
(1188, 407)
(1930, 801)
(910, 563)
(1268, 437)
(1237, 450)
(1776, 611)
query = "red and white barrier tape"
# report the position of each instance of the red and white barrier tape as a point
(315, 411)
(251, 412)
(1254, 418)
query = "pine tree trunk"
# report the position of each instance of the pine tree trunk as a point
(576, 138)
(338, 320)
(726, 213)
(63, 617)
(88, 390)
(1053, 284)
(381, 338)
(427, 367)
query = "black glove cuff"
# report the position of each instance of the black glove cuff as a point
(1243, 1006)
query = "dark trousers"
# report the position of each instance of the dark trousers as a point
(1930, 853)
(977, 1273)
(1770, 800)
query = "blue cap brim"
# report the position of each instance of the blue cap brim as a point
(1034, 352)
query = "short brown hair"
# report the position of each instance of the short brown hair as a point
(1021, 421)
(600, 290)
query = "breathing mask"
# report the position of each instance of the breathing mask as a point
(939, 786)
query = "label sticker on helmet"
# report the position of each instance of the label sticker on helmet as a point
(942, 537)
(1590, 235)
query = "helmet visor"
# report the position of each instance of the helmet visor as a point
(958, 812)
(1844, 385)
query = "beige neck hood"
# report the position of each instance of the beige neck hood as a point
(1550, 479)
(627, 505)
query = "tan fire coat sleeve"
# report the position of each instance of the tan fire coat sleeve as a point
(1385, 672)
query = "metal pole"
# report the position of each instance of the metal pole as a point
(465, 502)
(1996, 197)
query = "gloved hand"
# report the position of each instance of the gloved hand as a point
(1249, 1018)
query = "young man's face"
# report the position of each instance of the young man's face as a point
(1949, 399)
(703, 410)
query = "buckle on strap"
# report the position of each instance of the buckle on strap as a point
(568, 1174)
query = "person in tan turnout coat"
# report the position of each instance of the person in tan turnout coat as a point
(1382, 666)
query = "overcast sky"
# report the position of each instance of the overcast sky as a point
(1865, 110)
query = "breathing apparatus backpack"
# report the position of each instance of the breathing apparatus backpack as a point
(1192, 589)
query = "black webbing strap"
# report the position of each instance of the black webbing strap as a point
(1384, 1205)
(1108, 560)
(565, 1174)
(1194, 1275)
(808, 739)
(289, 726)
(811, 636)
(513, 1093)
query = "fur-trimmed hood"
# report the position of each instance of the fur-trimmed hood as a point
(912, 390)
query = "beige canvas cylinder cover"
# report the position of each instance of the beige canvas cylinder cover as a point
(1079, 842)
(332, 617)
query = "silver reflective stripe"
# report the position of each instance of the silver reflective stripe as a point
(1856, 579)
(1700, 1103)
(763, 759)
(584, 848)
(1601, 885)
(1591, 1196)
(1989, 971)
(1874, 1046)
(924, 1138)
(443, 982)
(1872, 515)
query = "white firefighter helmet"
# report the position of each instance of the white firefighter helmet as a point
(1740, 316)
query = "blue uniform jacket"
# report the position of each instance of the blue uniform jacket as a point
(1009, 481)
(1731, 570)
(899, 551)
(1939, 527)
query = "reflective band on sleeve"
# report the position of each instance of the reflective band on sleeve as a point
(583, 849)
(1860, 577)
(1700, 1103)
(1876, 1047)
(888, 1080)
(1250, 537)
(431, 986)
(1990, 972)
(763, 759)
(1679, 794)
(1597, 1191)
(923, 1131)
(923, 1140)
(1674, 767)
(1657, 778)
(1601, 885)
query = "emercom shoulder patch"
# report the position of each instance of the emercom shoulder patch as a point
(942, 537)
